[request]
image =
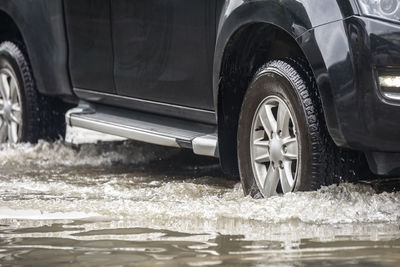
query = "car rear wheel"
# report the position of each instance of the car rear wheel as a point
(283, 144)
(25, 115)
(10, 107)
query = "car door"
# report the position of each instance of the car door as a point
(90, 45)
(164, 50)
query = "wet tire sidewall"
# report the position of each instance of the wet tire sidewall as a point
(271, 82)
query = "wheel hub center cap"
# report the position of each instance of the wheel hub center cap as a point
(276, 149)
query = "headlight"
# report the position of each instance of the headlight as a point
(387, 9)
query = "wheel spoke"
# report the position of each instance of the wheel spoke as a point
(1, 108)
(13, 91)
(268, 120)
(260, 150)
(16, 107)
(13, 132)
(271, 182)
(3, 86)
(6, 86)
(286, 177)
(15, 117)
(9, 133)
(292, 148)
(3, 131)
(262, 158)
(283, 119)
(262, 143)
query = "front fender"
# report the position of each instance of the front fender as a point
(293, 16)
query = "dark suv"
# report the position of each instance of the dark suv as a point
(289, 94)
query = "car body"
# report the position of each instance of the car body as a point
(192, 60)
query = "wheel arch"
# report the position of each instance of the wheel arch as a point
(9, 30)
(288, 21)
(249, 34)
(237, 70)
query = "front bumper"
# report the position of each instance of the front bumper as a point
(374, 51)
(346, 57)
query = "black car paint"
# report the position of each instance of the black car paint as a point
(163, 50)
(344, 50)
(41, 24)
(91, 61)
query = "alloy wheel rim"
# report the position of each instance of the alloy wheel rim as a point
(274, 147)
(10, 108)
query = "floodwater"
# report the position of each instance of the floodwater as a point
(125, 203)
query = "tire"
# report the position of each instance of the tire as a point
(25, 115)
(296, 153)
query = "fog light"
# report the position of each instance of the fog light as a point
(389, 81)
(390, 86)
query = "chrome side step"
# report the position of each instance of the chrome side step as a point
(149, 128)
(206, 145)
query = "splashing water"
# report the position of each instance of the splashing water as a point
(128, 185)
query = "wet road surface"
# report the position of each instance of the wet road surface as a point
(127, 203)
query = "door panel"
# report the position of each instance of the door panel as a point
(164, 49)
(90, 44)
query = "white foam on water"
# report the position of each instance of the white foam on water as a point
(46, 154)
(187, 205)
(190, 206)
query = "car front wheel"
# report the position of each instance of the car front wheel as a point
(283, 144)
